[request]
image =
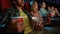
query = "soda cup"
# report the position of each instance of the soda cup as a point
(17, 22)
(20, 20)
(20, 25)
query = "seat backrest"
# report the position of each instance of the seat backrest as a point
(5, 4)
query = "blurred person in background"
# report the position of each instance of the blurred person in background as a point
(57, 12)
(49, 16)
(43, 12)
(54, 12)
(49, 9)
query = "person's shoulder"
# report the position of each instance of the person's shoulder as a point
(41, 9)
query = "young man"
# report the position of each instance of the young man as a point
(17, 11)
(43, 11)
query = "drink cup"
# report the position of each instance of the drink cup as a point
(18, 19)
